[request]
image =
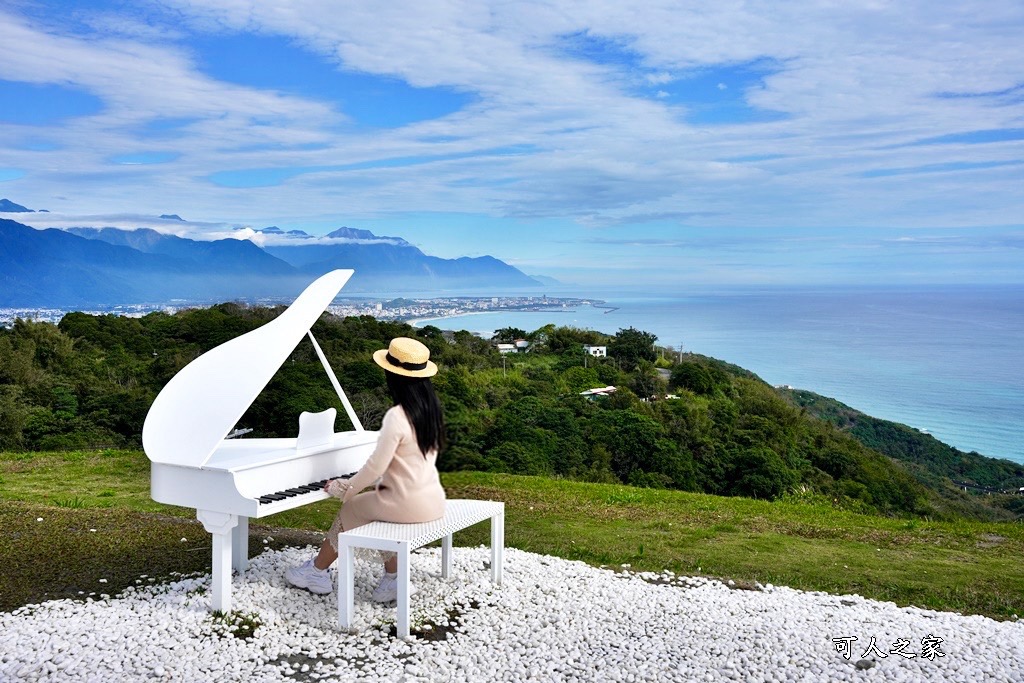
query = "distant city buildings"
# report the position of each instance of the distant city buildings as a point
(444, 307)
(54, 315)
(389, 309)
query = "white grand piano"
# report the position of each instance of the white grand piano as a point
(194, 462)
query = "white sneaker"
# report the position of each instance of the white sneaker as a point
(309, 577)
(387, 589)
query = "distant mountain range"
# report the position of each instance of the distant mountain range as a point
(103, 266)
(7, 206)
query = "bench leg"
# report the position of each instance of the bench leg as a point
(497, 546)
(345, 584)
(446, 556)
(403, 591)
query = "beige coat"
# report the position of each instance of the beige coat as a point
(408, 486)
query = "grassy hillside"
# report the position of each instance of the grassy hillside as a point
(712, 427)
(99, 523)
(941, 468)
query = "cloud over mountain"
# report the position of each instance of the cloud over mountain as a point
(102, 266)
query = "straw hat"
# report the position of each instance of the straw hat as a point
(405, 356)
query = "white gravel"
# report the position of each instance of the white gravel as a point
(551, 620)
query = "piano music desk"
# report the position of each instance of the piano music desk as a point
(404, 538)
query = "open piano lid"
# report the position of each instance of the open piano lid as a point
(195, 410)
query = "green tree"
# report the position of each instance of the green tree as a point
(17, 361)
(647, 382)
(693, 377)
(630, 438)
(578, 378)
(608, 374)
(507, 335)
(14, 413)
(546, 436)
(630, 346)
(760, 473)
(51, 348)
(64, 402)
(563, 339)
(431, 332)
(361, 375)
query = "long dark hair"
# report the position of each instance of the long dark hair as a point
(417, 397)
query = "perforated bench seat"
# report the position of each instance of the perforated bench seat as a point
(402, 539)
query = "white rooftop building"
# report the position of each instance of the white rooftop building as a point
(600, 391)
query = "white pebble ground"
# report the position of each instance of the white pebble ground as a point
(551, 620)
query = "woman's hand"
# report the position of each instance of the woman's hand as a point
(337, 487)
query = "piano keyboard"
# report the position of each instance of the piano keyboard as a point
(311, 487)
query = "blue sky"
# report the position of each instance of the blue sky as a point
(598, 142)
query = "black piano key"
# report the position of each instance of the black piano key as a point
(275, 497)
(299, 490)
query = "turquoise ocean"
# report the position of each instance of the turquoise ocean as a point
(948, 360)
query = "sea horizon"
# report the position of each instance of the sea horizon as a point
(947, 360)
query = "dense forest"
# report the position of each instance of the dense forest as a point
(675, 421)
(938, 466)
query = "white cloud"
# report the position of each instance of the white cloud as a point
(660, 78)
(851, 81)
(125, 221)
(194, 230)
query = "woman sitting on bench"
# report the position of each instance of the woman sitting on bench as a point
(403, 464)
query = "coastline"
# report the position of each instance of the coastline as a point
(873, 350)
(420, 322)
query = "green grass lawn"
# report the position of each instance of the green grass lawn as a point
(968, 567)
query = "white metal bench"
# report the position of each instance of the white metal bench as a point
(402, 539)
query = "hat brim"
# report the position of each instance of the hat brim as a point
(381, 359)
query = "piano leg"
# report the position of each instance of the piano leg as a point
(240, 545)
(220, 525)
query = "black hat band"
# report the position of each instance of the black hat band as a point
(406, 366)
